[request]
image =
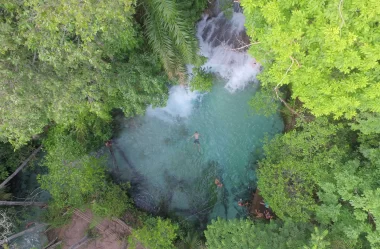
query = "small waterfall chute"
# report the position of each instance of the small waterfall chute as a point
(224, 43)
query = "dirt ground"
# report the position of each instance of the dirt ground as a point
(85, 232)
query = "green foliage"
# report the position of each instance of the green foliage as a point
(63, 60)
(231, 234)
(76, 178)
(263, 102)
(11, 159)
(72, 182)
(170, 36)
(67, 32)
(61, 66)
(155, 234)
(4, 195)
(201, 81)
(111, 202)
(246, 234)
(192, 9)
(321, 171)
(314, 173)
(367, 123)
(294, 164)
(135, 85)
(328, 51)
(190, 241)
(56, 216)
(317, 240)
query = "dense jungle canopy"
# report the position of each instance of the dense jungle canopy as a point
(67, 66)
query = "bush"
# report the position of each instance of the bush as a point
(201, 81)
(155, 234)
(112, 202)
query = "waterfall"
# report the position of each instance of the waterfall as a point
(224, 43)
(179, 105)
(169, 175)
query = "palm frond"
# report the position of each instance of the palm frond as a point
(170, 37)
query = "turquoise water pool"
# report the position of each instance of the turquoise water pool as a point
(169, 175)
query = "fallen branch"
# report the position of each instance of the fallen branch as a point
(23, 203)
(286, 73)
(32, 229)
(248, 45)
(81, 242)
(2, 185)
(123, 224)
(282, 79)
(5, 225)
(285, 103)
(50, 243)
(54, 245)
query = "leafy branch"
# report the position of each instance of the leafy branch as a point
(276, 88)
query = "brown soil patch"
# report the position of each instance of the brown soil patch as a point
(257, 208)
(85, 232)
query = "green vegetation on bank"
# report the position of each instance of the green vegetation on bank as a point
(62, 60)
(65, 66)
(327, 51)
(156, 233)
(322, 175)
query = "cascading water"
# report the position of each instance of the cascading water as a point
(223, 42)
(179, 104)
(156, 153)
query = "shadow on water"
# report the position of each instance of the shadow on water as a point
(176, 183)
(203, 194)
(142, 198)
(200, 192)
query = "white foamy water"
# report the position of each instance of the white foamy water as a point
(219, 40)
(180, 104)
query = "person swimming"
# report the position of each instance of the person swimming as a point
(196, 139)
(218, 183)
(109, 143)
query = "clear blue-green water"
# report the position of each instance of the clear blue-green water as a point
(168, 173)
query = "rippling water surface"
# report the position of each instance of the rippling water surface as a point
(169, 174)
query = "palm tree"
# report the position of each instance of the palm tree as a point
(170, 36)
(191, 241)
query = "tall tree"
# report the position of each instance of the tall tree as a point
(295, 162)
(248, 234)
(62, 60)
(156, 233)
(170, 35)
(314, 173)
(76, 177)
(328, 51)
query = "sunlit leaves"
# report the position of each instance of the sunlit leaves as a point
(65, 60)
(170, 36)
(156, 233)
(336, 49)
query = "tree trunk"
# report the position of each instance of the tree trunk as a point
(81, 242)
(32, 229)
(2, 185)
(23, 203)
(284, 102)
(54, 245)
